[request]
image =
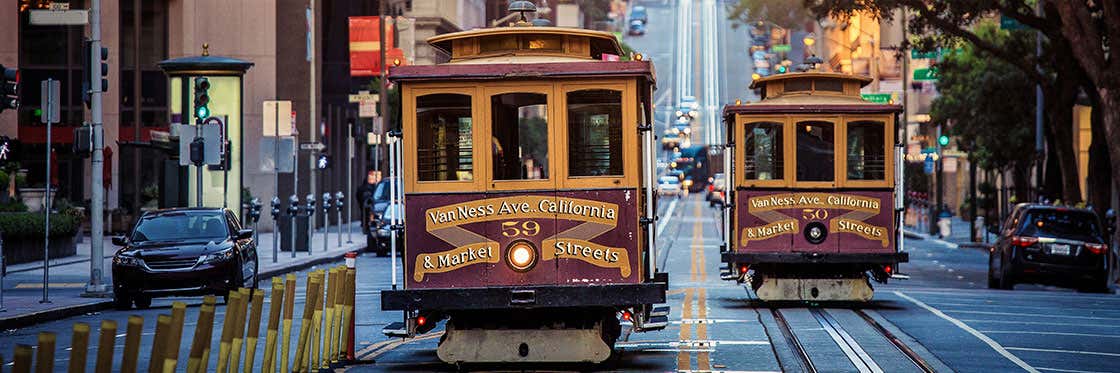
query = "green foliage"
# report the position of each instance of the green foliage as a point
(13, 206)
(30, 225)
(784, 13)
(987, 103)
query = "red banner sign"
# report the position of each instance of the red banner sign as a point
(365, 46)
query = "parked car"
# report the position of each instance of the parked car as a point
(183, 251)
(1050, 245)
(639, 13)
(377, 225)
(669, 185)
(637, 28)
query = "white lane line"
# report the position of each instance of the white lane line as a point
(1069, 370)
(1065, 351)
(987, 294)
(981, 321)
(668, 215)
(1033, 315)
(1046, 308)
(1050, 333)
(984, 338)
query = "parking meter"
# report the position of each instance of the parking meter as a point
(338, 197)
(293, 205)
(310, 207)
(326, 203)
(255, 209)
(1110, 221)
(275, 207)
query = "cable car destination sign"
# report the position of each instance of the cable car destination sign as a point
(813, 207)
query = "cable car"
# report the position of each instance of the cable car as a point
(817, 179)
(528, 186)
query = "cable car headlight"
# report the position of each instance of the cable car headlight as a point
(521, 256)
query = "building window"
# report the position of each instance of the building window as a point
(595, 133)
(53, 52)
(866, 151)
(445, 149)
(519, 125)
(763, 146)
(815, 151)
(153, 101)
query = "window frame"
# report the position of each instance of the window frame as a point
(838, 143)
(888, 152)
(629, 177)
(413, 184)
(488, 91)
(741, 152)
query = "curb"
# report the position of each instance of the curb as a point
(70, 311)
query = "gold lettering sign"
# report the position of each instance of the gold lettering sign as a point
(768, 231)
(868, 231)
(590, 252)
(813, 200)
(521, 207)
(459, 257)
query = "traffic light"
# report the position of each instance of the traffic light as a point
(943, 140)
(201, 98)
(198, 157)
(781, 69)
(9, 89)
(88, 63)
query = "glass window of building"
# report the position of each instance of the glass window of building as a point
(763, 146)
(866, 151)
(815, 151)
(519, 126)
(445, 149)
(595, 133)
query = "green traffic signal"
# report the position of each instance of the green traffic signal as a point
(781, 69)
(202, 112)
(201, 98)
(943, 140)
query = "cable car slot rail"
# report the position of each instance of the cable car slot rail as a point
(848, 342)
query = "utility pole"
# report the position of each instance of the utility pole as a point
(313, 119)
(96, 286)
(383, 94)
(1038, 102)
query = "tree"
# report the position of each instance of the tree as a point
(972, 87)
(789, 15)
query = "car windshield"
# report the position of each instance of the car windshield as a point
(185, 225)
(1076, 225)
(670, 180)
(382, 191)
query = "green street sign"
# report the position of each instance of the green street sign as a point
(879, 98)
(780, 48)
(1006, 23)
(926, 74)
(914, 54)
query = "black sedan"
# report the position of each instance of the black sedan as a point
(377, 225)
(1050, 245)
(188, 251)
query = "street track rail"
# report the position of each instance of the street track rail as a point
(861, 358)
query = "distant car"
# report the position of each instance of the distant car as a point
(637, 28)
(377, 227)
(669, 185)
(639, 13)
(1050, 245)
(716, 190)
(187, 251)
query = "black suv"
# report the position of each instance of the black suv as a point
(377, 223)
(1050, 245)
(186, 251)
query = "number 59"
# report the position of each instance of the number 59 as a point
(518, 228)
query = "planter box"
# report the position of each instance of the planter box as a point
(33, 197)
(25, 250)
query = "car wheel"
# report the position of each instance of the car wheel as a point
(252, 283)
(122, 301)
(143, 302)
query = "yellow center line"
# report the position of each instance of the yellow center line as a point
(683, 360)
(697, 272)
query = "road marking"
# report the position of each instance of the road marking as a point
(1070, 370)
(1040, 323)
(1065, 351)
(984, 338)
(54, 285)
(855, 353)
(712, 321)
(1033, 314)
(379, 348)
(668, 216)
(1049, 333)
(1049, 308)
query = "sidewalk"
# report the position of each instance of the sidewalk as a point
(958, 237)
(23, 284)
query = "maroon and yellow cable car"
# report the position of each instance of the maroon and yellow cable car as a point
(528, 196)
(816, 176)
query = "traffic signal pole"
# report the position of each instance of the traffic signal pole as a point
(96, 286)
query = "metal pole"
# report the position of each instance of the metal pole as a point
(276, 170)
(313, 119)
(292, 228)
(326, 219)
(383, 93)
(2, 273)
(47, 196)
(338, 211)
(295, 192)
(392, 205)
(96, 286)
(349, 176)
(198, 167)
(1038, 102)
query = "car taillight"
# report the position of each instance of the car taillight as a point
(887, 269)
(1023, 241)
(1096, 248)
(711, 188)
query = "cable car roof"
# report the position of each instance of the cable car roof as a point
(545, 43)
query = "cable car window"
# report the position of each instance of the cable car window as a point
(815, 151)
(798, 85)
(866, 151)
(444, 145)
(829, 85)
(763, 146)
(519, 124)
(595, 133)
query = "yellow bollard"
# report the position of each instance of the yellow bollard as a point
(254, 330)
(132, 344)
(211, 301)
(106, 343)
(44, 355)
(317, 325)
(289, 311)
(201, 340)
(347, 313)
(300, 359)
(79, 347)
(159, 343)
(175, 335)
(22, 361)
(238, 342)
(328, 313)
(229, 322)
(274, 306)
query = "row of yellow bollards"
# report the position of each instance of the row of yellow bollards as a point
(324, 336)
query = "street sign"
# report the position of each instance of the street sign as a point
(373, 139)
(316, 146)
(926, 74)
(929, 164)
(211, 138)
(364, 96)
(879, 98)
(49, 92)
(272, 112)
(287, 154)
(367, 109)
(1006, 23)
(780, 48)
(44, 17)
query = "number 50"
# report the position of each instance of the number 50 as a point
(814, 214)
(518, 228)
